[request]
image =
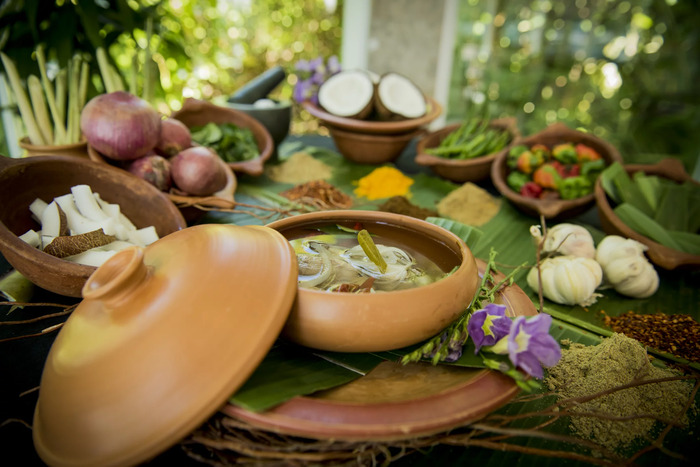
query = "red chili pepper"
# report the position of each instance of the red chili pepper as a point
(531, 190)
(572, 171)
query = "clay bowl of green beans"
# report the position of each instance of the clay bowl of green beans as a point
(463, 152)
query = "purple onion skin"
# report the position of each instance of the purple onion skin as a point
(154, 169)
(198, 171)
(174, 137)
(120, 126)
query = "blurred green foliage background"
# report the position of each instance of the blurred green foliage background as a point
(626, 70)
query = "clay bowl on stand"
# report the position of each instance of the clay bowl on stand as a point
(367, 322)
(74, 149)
(370, 141)
(192, 207)
(552, 208)
(195, 112)
(659, 254)
(462, 170)
(24, 180)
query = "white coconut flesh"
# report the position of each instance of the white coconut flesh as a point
(346, 94)
(401, 96)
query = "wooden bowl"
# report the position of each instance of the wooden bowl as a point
(368, 322)
(45, 177)
(371, 148)
(462, 170)
(189, 205)
(74, 149)
(195, 112)
(373, 126)
(660, 255)
(552, 208)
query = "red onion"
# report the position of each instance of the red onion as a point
(174, 137)
(154, 169)
(198, 171)
(120, 125)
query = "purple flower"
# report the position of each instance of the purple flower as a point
(530, 346)
(489, 325)
(302, 65)
(333, 65)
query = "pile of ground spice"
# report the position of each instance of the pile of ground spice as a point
(383, 182)
(676, 334)
(616, 361)
(401, 205)
(319, 194)
(300, 167)
(469, 204)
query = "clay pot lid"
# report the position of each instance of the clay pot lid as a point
(164, 336)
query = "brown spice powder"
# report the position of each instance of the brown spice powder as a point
(469, 204)
(617, 360)
(401, 205)
(300, 167)
(676, 334)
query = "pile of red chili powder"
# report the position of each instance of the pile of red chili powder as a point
(678, 335)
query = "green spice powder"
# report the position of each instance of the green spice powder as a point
(617, 360)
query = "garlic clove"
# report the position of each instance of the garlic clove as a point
(568, 240)
(613, 247)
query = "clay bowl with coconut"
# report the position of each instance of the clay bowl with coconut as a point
(532, 177)
(348, 303)
(126, 132)
(46, 178)
(372, 118)
(455, 153)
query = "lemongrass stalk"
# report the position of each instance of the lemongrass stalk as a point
(105, 71)
(59, 128)
(134, 74)
(25, 108)
(61, 99)
(116, 79)
(41, 112)
(147, 63)
(74, 98)
(69, 111)
(84, 78)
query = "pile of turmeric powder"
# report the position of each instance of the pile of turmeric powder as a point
(383, 182)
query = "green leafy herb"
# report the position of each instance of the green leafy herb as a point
(231, 142)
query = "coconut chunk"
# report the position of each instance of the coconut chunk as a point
(399, 98)
(349, 93)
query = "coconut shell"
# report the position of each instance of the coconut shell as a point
(385, 111)
(340, 82)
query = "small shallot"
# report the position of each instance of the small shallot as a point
(198, 171)
(174, 137)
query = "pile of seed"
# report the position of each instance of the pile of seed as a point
(676, 334)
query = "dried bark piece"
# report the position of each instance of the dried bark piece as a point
(69, 245)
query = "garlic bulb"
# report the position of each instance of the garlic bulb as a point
(625, 267)
(567, 240)
(568, 280)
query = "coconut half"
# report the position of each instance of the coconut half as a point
(348, 93)
(399, 98)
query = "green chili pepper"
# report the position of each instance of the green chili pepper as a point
(565, 153)
(516, 180)
(575, 187)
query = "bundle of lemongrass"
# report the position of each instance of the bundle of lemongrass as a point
(63, 100)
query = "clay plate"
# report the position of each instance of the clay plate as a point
(462, 170)
(660, 255)
(396, 402)
(195, 112)
(23, 180)
(552, 208)
(371, 126)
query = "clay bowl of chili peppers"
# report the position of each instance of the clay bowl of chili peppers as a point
(552, 173)
(464, 152)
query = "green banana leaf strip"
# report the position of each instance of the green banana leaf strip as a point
(469, 235)
(288, 371)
